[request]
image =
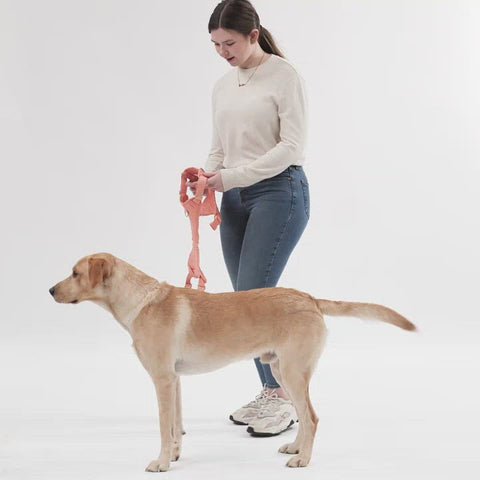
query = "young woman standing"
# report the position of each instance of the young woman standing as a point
(259, 133)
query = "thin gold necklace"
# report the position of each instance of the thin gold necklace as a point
(248, 79)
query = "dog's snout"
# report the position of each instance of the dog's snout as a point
(52, 291)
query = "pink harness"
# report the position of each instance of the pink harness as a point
(194, 208)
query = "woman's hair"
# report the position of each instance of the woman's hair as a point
(241, 16)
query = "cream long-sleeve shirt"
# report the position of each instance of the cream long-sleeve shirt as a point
(259, 129)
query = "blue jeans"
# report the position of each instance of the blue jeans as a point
(261, 224)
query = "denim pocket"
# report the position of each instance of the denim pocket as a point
(306, 196)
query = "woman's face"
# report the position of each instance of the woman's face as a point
(233, 46)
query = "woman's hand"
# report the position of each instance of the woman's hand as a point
(214, 181)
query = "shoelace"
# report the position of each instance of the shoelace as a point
(270, 404)
(259, 399)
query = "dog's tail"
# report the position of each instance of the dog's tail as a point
(366, 311)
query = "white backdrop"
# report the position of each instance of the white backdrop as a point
(104, 103)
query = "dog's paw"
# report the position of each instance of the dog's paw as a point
(158, 466)
(289, 448)
(297, 461)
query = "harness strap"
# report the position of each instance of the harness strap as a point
(195, 207)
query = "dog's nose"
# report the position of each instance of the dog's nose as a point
(52, 291)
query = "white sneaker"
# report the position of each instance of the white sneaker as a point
(275, 416)
(244, 414)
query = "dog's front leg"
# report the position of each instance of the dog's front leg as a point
(165, 386)
(178, 424)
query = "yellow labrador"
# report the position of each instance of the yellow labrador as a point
(179, 331)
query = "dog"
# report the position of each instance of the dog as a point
(180, 331)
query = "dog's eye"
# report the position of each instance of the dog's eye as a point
(74, 274)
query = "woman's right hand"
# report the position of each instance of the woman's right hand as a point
(214, 181)
(193, 185)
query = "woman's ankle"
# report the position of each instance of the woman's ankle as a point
(281, 393)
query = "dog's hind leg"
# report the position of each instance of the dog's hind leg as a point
(295, 446)
(296, 377)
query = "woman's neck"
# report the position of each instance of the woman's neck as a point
(259, 56)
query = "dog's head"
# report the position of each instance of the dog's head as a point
(87, 281)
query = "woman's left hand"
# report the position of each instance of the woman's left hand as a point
(214, 181)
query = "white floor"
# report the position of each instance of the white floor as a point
(392, 405)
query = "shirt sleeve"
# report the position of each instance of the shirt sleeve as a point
(292, 113)
(215, 157)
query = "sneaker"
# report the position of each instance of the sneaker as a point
(248, 412)
(274, 417)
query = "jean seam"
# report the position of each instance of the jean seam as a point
(282, 233)
(305, 197)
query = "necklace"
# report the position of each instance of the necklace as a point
(253, 73)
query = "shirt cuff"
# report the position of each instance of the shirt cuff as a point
(228, 178)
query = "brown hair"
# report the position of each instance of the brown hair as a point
(241, 16)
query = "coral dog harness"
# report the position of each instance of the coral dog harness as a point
(194, 208)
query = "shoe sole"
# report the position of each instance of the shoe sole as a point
(253, 433)
(236, 422)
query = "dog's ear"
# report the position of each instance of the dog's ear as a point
(99, 269)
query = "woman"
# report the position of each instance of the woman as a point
(259, 130)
